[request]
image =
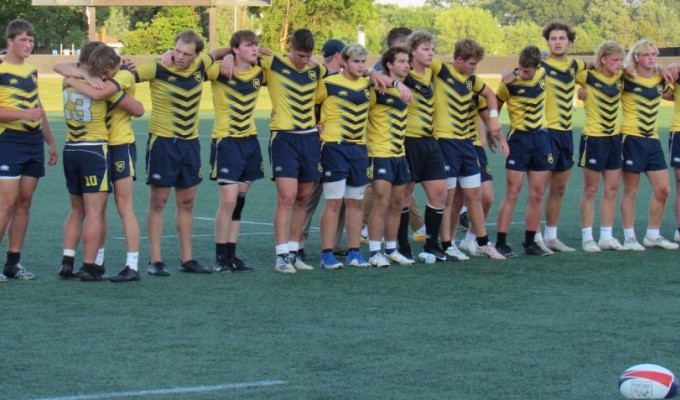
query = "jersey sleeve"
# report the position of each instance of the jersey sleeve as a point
(116, 98)
(321, 92)
(580, 65)
(146, 71)
(124, 79)
(581, 77)
(266, 62)
(478, 85)
(436, 66)
(502, 93)
(213, 72)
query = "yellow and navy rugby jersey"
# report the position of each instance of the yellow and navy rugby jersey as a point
(175, 96)
(525, 100)
(453, 93)
(292, 92)
(675, 124)
(477, 127)
(560, 78)
(234, 101)
(386, 124)
(86, 118)
(640, 102)
(118, 121)
(344, 109)
(420, 121)
(19, 91)
(602, 103)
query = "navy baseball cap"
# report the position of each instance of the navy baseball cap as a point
(331, 47)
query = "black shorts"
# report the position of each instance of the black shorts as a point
(425, 159)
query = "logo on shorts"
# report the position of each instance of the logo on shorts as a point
(511, 162)
(278, 168)
(312, 75)
(369, 172)
(382, 171)
(328, 173)
(120, 166)
(224, 170)
(550, 158)
(676, 159)
(319, 167)
(629, 162)
(4, 167)
(488, 169)
(156, 176)
(592, 161)
(446, 167)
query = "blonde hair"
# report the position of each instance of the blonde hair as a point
(417, 38)
(354, 51)
(606, 49)
(641, 46)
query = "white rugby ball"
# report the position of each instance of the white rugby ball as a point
(427, 258)
(648, 381)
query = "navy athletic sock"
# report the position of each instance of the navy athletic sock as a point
(501, 238)
(433, 221)
(402, 233)
(231, 249)
(483, 241)
(12, 258)
(529, 237)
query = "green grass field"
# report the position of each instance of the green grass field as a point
(559, 327)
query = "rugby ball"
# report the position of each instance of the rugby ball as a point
(648, 381)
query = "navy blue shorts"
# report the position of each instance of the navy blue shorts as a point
(674, 149)
(460, 157)
(86, 167)
(295, 155)
(562, 144)
(173, 162)
(391, 169)
(600, 152)
(22, 153)
(529, 151)
(123, 158)
(484, 164)
(345, 161)
(235, 160)
(642, 154)
(425, 159)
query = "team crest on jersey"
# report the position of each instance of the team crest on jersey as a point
(34, 78)
(572, 72)
(541, 83)
(312, 75)
(256, 83)
(619, 85)
(468, 85)
(13, 81)
(286, 71)
(198, 76)
(342, 93)
(521, 91)
(368, 96)
(231, 82)
(659, 88)
(389, 101)
(172, 79)
(120, 166)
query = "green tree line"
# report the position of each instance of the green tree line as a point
(502, 26)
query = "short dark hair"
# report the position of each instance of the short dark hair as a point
(17, 27)
(102, 60)
(530, 57)
(559, 26)
(87, 49)
(395, 34)
(389, 56)
(189, 36)
(302, 40)
(243, 36)
(467, 49)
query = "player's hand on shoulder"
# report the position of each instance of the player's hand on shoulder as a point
(508, 76)
(167, 59)
(227, 68)
(129, 65)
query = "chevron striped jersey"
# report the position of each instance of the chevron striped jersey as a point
(420, 121)
(234, 101)
(292, 92)
(344, 109)
(19, 91)
(175, 96)
(453, 93)
(602, 103)
(118, 121)
(86, 118)
(386, 124)
(675, 123)
(525, 101)
(560, 79)
(640, 102)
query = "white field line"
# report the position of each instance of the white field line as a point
(175, 390)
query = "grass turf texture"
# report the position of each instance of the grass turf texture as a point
(563, 326)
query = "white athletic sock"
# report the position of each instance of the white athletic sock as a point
(132, 260)
(282, 248)
(587, 234)
(605, 232)
(69, 253)
(652, 234)
(293, 246)
(538, 237)
(629, 232)
(100, 257)
(550, 232)
(374, 245)
(469, 236)
(390, 246)
(463, 209)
